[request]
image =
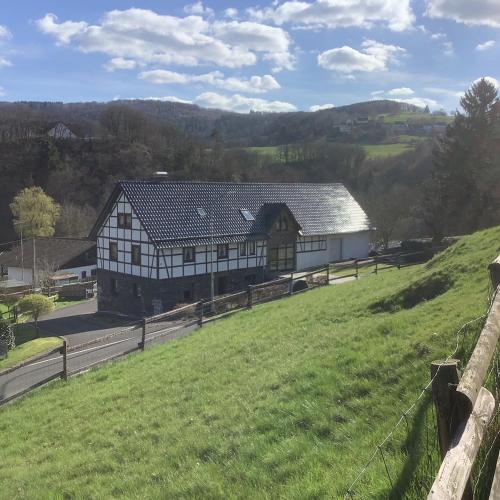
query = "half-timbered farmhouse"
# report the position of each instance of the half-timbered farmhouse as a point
(158, 241)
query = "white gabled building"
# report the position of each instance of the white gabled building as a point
(158, 241)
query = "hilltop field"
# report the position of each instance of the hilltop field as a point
(288, 399)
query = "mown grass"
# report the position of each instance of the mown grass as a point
(27, 345)
(385, 150)
(287, 400)
(409, 117)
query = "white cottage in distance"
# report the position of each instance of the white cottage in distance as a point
(157, 241)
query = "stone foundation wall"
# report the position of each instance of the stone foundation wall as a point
(166, 294)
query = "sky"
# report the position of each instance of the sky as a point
(261, 55)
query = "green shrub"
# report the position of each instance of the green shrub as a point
(7, 339)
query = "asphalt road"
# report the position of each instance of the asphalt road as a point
(80, 324)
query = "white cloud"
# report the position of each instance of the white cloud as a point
(4, 32)
(2, 92)
(4, 62)
(198, 8)
(242, 104)
(422, 102)
(395, 14)
(486, 45)
(253, 85)
(489, 79)
(377, 92)
(448, 49)
(444, 92)
(149, 38)
(231, 12)
(63, 32)
(402, 91)
(120, 63)
(438, 36)
(319, 107)
(472, 12)
(274, 42)
(167, 98)
(375, 56)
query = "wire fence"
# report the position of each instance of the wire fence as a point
(416, 440)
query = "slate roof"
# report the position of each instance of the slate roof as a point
(56, 252)
(168, 213)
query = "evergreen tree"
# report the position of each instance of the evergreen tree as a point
(7, 339)
(459, 197)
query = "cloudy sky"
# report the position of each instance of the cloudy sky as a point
(242, 55)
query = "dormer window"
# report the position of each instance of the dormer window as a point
(281, 223)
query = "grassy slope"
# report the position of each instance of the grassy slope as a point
(409, 117)
(288, 399)
(27, 345)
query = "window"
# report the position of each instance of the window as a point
(114, 286)
(246, 214)
(136, 290)
(281, 223)
(125, 221)
(84, 274)
(251, 248)
(201, 212)
(113, 250)
(242, 247)
(136, 255)
(223, 251)
(282, 257)
(188, 254)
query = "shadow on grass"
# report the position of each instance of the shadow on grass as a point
(415, 448)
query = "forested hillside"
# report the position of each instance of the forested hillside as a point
(388, 154)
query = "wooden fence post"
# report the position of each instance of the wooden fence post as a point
(328, 274)
(200, 314)
(376, 265)
(290, 287)
(399, 261)
(143, 336)
(357, 269)
(445, 378)
(64, 352)
(249, 297)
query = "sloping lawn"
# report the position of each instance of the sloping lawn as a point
(27, 345)
(287, 400)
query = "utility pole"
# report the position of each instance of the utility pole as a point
(34, 264)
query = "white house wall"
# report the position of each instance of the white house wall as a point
(125, 238)
(313, 251)
(171, 263)
(17, 273)
(78, 271)
(355, 245)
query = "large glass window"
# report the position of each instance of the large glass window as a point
(243, 249)
(282, 257)
(188, 254)
(251, 248)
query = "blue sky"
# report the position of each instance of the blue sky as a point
(263, 55)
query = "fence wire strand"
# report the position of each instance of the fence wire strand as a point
(404, 415)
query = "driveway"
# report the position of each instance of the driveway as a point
(81, 323)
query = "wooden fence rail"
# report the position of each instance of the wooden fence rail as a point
(464, 409)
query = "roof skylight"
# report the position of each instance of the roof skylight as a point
(201, 212)
(246, 214)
